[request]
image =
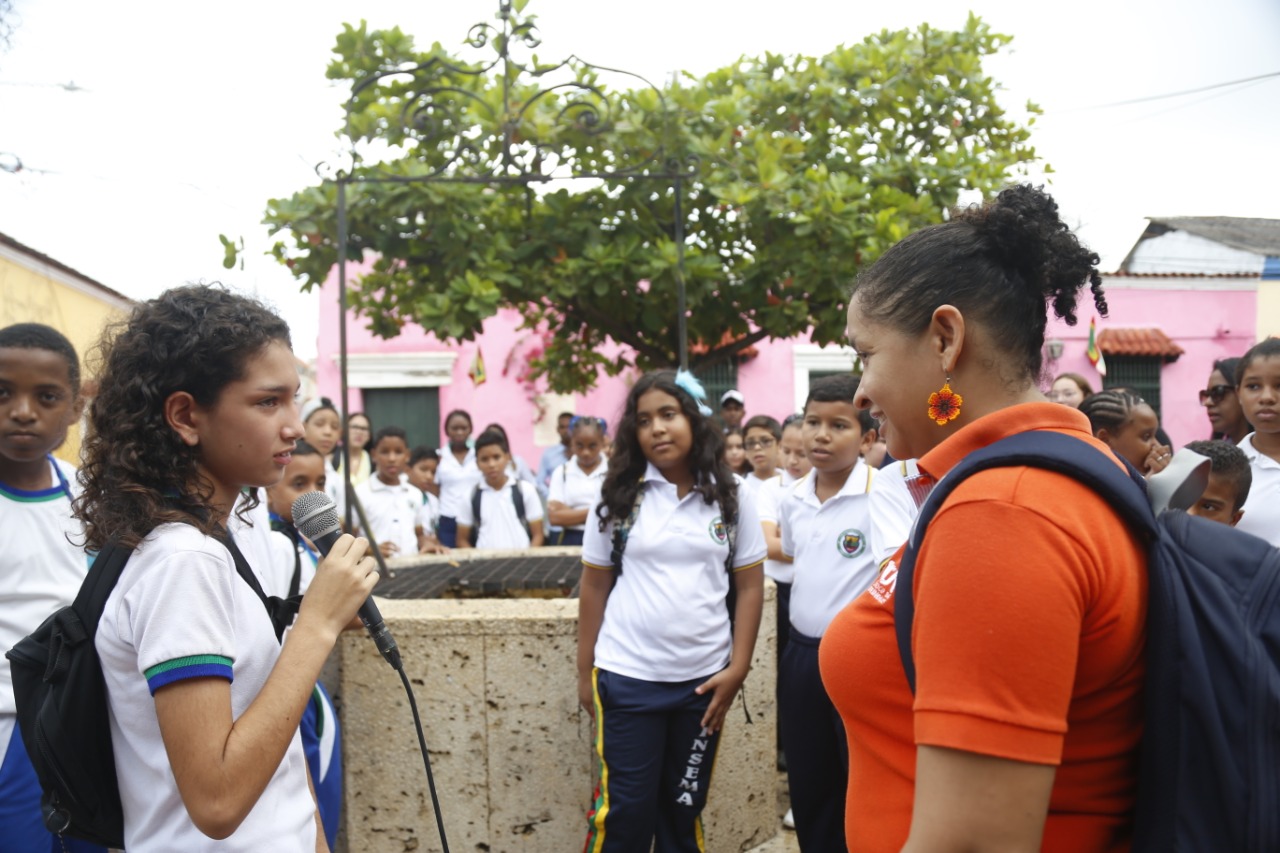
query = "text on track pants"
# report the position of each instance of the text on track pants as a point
(655, 766)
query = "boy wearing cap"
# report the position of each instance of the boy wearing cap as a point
(732, 409)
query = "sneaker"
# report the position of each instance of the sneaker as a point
(789, 820)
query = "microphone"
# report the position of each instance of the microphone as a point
(316, 517)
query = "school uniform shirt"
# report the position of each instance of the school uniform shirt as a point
(41, 567)
(181, 611)
(392, 512)
(500, 527)
(666, 618)
(251, 531)
(1262, 507)
(837, 546)
(456, 480)
(1028, 639)
(335, 487)
(428, 517)
(768, 497)
(576, 489)
(284, 557)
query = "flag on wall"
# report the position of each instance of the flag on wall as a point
(1092, 352)
(477, 368)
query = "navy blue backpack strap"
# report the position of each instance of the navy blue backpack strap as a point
(517, 498)
(1052, 451)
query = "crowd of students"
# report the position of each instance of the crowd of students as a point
(1244, 442)
(221, 729)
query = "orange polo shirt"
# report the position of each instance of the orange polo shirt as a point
(1028, 642)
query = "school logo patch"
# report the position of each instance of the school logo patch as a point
(851, 543)
(719, 534)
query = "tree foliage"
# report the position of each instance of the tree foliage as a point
(804, 169)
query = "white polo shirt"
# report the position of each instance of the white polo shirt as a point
(500, 527)
(392, 512)
(428, 517)
(666, 618)
(41, 567)
(576, 489)
(252, 533)
(768, 497)
(837, 546)
(1262, 508)
(456, 480)
(181, 611)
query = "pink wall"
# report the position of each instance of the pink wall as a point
(502, 398)
(1208, 318)
(766, 381)
(1212, 322)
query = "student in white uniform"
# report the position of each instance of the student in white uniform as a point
(391, 503)
(510, 511)
(292, 566)
(457, 474)
(658, 662)
(196, 403)
(838, 524)
(1258, 389)
(323, 424)
(423, 464)
(575, 485)
(42, 561)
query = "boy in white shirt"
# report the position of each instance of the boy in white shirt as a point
(838, 523)
(506, 518)
(391, 505)
(423, 463)
(293, 566)
(41, 568)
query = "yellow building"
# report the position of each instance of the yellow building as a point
(34, 288)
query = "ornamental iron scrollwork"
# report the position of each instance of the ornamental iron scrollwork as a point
(542, 117)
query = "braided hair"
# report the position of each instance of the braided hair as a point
(1110, 409)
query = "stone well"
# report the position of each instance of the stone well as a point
(496, 686)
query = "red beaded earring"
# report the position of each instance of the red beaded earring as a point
(944, 404)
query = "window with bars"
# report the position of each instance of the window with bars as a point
(1141, 373)
(718, 378)
(416, 410)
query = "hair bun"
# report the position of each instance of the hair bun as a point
(1028, 237)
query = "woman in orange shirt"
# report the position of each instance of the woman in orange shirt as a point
(1030, 592)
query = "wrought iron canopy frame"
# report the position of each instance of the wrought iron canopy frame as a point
(431, 109)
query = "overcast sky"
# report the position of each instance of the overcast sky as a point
(187, 117)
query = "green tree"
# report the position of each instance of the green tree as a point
(804, 169)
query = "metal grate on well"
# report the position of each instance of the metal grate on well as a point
(542, 573)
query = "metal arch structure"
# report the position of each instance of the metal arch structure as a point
(433, 115)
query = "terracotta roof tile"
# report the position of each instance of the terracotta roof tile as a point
(728, 338)
(1151, 343)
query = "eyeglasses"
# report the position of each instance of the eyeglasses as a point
(758, 443)
(1215, 394)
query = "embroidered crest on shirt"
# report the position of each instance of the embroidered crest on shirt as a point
(851, 543)
(716, 528)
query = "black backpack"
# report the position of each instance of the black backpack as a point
(62, 703)
(1207, 777)
(517, 498)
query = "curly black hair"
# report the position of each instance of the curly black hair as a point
(1230, 464)
(137, 472)
(1000, 264)
(711, 475)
